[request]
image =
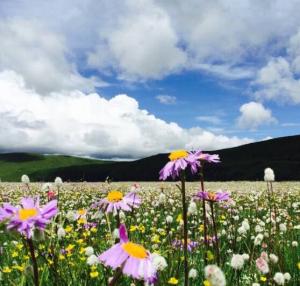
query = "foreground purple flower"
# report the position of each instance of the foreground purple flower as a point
(212, 197)
(28, 216)
(133, 259)
(210, 158)
(115, 201)
(179, 160)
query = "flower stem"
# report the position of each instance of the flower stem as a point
(116, 277)
(216, 232)
(204, 217)
(34, 263)
(185, 231)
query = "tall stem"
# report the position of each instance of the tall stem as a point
(34, 263)
(185, 231)
(204, 217)
(116, 277)
(216, 232)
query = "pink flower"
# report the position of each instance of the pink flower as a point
(212, 197)
(262, 265)
(29, 216)
(179, 161)
(115, 201)
(205, 157)
(133, 259)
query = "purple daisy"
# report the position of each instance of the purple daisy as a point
(28, 216)
(133, 259)
(179, 160)
(115, 201)
(191, 245)
(211, 158)
(213, 197)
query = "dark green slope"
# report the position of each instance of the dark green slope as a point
(14, 165)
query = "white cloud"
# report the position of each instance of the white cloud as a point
(166, 99)
(147, 39)
(212, 119)
(253, 115)
(143, 44)
(279, 79)
(88, 124)
(40, 56)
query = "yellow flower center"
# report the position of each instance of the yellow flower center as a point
(178, 154)
(82, 212)
(135, 250)
(25, 214)
(114, 196)
(212, 196)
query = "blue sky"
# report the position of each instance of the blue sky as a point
(135, 78)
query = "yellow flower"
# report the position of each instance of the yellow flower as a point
(201, 227)
(82, 221)
(210, 255)
(61, 257)
(94, 274)
(70, 247)
(80, 241)
(173, 281)
(298, 264)
(19, 267)
(155, 239)
(133, 228)
(69, 228)
(141, 228)
(6, 269)
(81, 212)
(206, 283)
(19, 246)
(263, 278)
(179, 218)
(14, 254)
(93, 229)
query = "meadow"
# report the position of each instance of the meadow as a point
(251, 249)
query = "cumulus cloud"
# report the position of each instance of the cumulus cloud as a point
(279, 79)
(147, 39)
(40, 56)
(166, 99)
(253, 115)
(88, 124)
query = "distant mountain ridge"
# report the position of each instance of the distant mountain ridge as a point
(246, 162)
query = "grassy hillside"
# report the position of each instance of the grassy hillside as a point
(245, 162)
(14, 165)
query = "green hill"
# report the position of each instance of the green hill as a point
(14, 165)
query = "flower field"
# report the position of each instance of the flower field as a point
(252, 249)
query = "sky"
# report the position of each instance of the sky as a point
(132, 78)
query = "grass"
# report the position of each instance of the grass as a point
(14, 165)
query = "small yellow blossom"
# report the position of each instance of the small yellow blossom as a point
(210, 255)
(69, 228)
(6, 269)
(179, 218)
(94, 274)
(133, 228)
(206, 283)
(173, 281)
(61, 257)
(263, 278)
(70, 247)
(14, 254)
